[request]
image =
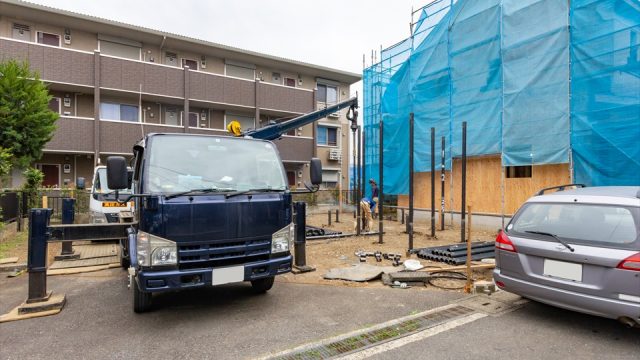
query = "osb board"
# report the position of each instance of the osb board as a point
(484, 192)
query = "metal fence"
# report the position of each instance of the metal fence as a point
(15, 203)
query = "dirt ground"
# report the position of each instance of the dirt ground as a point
(321, 254)
(327, 254)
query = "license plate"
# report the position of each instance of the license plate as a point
(114, 204)
(563, 270)
(227, 275)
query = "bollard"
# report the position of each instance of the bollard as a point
(68, 216)
(329, 217)
(300, 258)
(337, 216)
(37, 255)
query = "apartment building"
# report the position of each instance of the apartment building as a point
(112, 83)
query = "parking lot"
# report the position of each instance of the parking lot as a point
(229, 322)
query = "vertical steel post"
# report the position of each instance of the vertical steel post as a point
(463, 209)
(363, 178)
(329, 217)
(300, 257)
(337, 216)
(380, 187)
(37, 254)
(442, 175)
(410, 219)
(433, 182)
(67, 218)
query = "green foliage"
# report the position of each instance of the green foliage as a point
(33, 182)
(26, 122)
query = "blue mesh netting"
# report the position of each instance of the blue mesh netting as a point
(605, 91)
(529, 89)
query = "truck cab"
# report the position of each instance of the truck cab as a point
(211, 210)
(102, 204)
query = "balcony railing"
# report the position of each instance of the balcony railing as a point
(74, 67)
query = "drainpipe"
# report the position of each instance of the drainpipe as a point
(96, 107)
(185, 116)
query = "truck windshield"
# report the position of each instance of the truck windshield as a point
(184, 163)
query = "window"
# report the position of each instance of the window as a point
(327, 136)
(193, 119)
(122, 112)
(519, 171)
(290, 82)
(119, 50)
(192, 64)
(327, 94)
(244, 72)
(604, 225)
(329, 178)
(48, 39)
(54, 105)
(246, 122)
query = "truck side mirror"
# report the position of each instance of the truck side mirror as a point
(117, 175)
(315, 171)
(80, 185)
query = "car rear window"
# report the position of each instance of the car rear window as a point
(606, 225)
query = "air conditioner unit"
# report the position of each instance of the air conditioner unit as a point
(335, 154)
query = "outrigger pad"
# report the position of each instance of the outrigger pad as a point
(360, 272)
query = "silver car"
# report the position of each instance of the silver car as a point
(576, 249)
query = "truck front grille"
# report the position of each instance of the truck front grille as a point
(218, 253)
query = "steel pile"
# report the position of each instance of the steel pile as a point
(456, 254)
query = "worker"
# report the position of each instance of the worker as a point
(374, 195)
(234, 128)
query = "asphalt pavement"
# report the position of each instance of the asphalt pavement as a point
(230, 322)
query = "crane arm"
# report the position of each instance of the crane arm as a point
(274, 131)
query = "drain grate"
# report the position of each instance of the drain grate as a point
(374, 337)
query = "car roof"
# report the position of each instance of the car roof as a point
(619, 195)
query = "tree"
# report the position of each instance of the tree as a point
(26, 122)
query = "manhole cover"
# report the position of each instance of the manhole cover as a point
(378, 336)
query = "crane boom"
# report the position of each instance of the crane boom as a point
(274, 131)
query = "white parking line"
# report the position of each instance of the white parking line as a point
(394, 344)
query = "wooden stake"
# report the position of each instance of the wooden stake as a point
(467, 287)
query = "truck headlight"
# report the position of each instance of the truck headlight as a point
(282, 240)
(155, 251)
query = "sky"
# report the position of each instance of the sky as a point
(333, 33)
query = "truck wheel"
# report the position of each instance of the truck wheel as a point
(124, 260)
(261, 286)
(141, 300)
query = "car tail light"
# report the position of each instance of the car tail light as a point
(504, 243)
(500, 284)
(631, 263)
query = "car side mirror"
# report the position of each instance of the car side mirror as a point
(80, 183)
(315, 171)
(117, 174)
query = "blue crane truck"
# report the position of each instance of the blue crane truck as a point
(210, 210)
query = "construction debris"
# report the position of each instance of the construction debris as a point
(379, 256)
(313, 231)
(359, 272)
(456, 254)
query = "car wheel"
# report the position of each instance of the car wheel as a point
(261, 286)
(141, 299)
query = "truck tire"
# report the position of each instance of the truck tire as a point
(124, 257)
(261, 286)
(141, 300)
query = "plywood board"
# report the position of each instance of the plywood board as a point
(484, 181)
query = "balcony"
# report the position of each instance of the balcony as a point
(75, 67)
(72, 135)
